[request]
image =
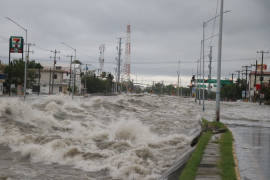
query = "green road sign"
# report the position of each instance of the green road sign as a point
(214, 81)
(201, 86)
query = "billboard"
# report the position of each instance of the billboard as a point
(16, 44)
(259, 66)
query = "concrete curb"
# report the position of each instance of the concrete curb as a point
(236, 164)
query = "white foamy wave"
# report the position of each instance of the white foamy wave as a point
(126, 137)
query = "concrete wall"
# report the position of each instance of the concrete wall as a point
(59, 85)
(45, 77)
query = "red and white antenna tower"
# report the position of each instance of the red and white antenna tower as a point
(101, 56)
(127, 54)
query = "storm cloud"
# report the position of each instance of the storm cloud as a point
(162, 32)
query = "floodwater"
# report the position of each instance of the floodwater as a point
(250, 125)
(118, 137)
(136, 137)
(253, 151)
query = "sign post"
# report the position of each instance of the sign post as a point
(16, 44)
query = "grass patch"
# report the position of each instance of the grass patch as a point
(227, 164)
(212, 125)
(189, 172)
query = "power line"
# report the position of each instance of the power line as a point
(214, 23)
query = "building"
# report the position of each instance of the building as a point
(51, 82)
(255, 84)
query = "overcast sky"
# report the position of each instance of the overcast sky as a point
(162, 32)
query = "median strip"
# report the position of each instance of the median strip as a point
(213, 157)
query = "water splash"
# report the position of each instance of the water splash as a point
(125, 137)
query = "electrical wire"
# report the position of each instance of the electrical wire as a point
(214, 24)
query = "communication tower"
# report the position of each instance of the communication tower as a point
(127, 54)
(101, 57)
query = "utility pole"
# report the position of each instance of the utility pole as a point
(210, 69)
(38, 81)
(26, 62)
(119, 64)
(219, 62)
(246, 70)
(200, 74)
(74, 81)
(197, 81)
(181, 88)
(261, 78)
(238, 77)
(204, 24)
(54, 62)
(69, 82)
(178, 76)
(50, 81)
(162, 90)
(255, 79)
(232, 77)
(242, 76)
(153, 85)
(9, 72)
(86, 69)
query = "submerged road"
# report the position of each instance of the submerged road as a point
(250, 125)
(252, 145)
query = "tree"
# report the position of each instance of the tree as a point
(266, 92)
(98, 85)
(16, 71)
(76, 62)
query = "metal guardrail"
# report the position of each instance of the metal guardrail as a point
(182, 160)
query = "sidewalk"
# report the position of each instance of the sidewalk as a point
(208, 168)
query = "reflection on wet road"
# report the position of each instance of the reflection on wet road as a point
(253, 151)
(250, 124)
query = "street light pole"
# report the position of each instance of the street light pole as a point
(26, 54)
(74, 49)
(197, 81)
(203, 63)
(203, 43)
(178, 79)
(200, 74)
(25, 65)
(219, 62)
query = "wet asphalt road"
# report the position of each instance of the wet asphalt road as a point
(252, 145)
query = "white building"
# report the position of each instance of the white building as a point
(51, 82)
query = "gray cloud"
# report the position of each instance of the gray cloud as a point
(162, 31)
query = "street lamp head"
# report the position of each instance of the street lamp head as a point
(8, 18)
